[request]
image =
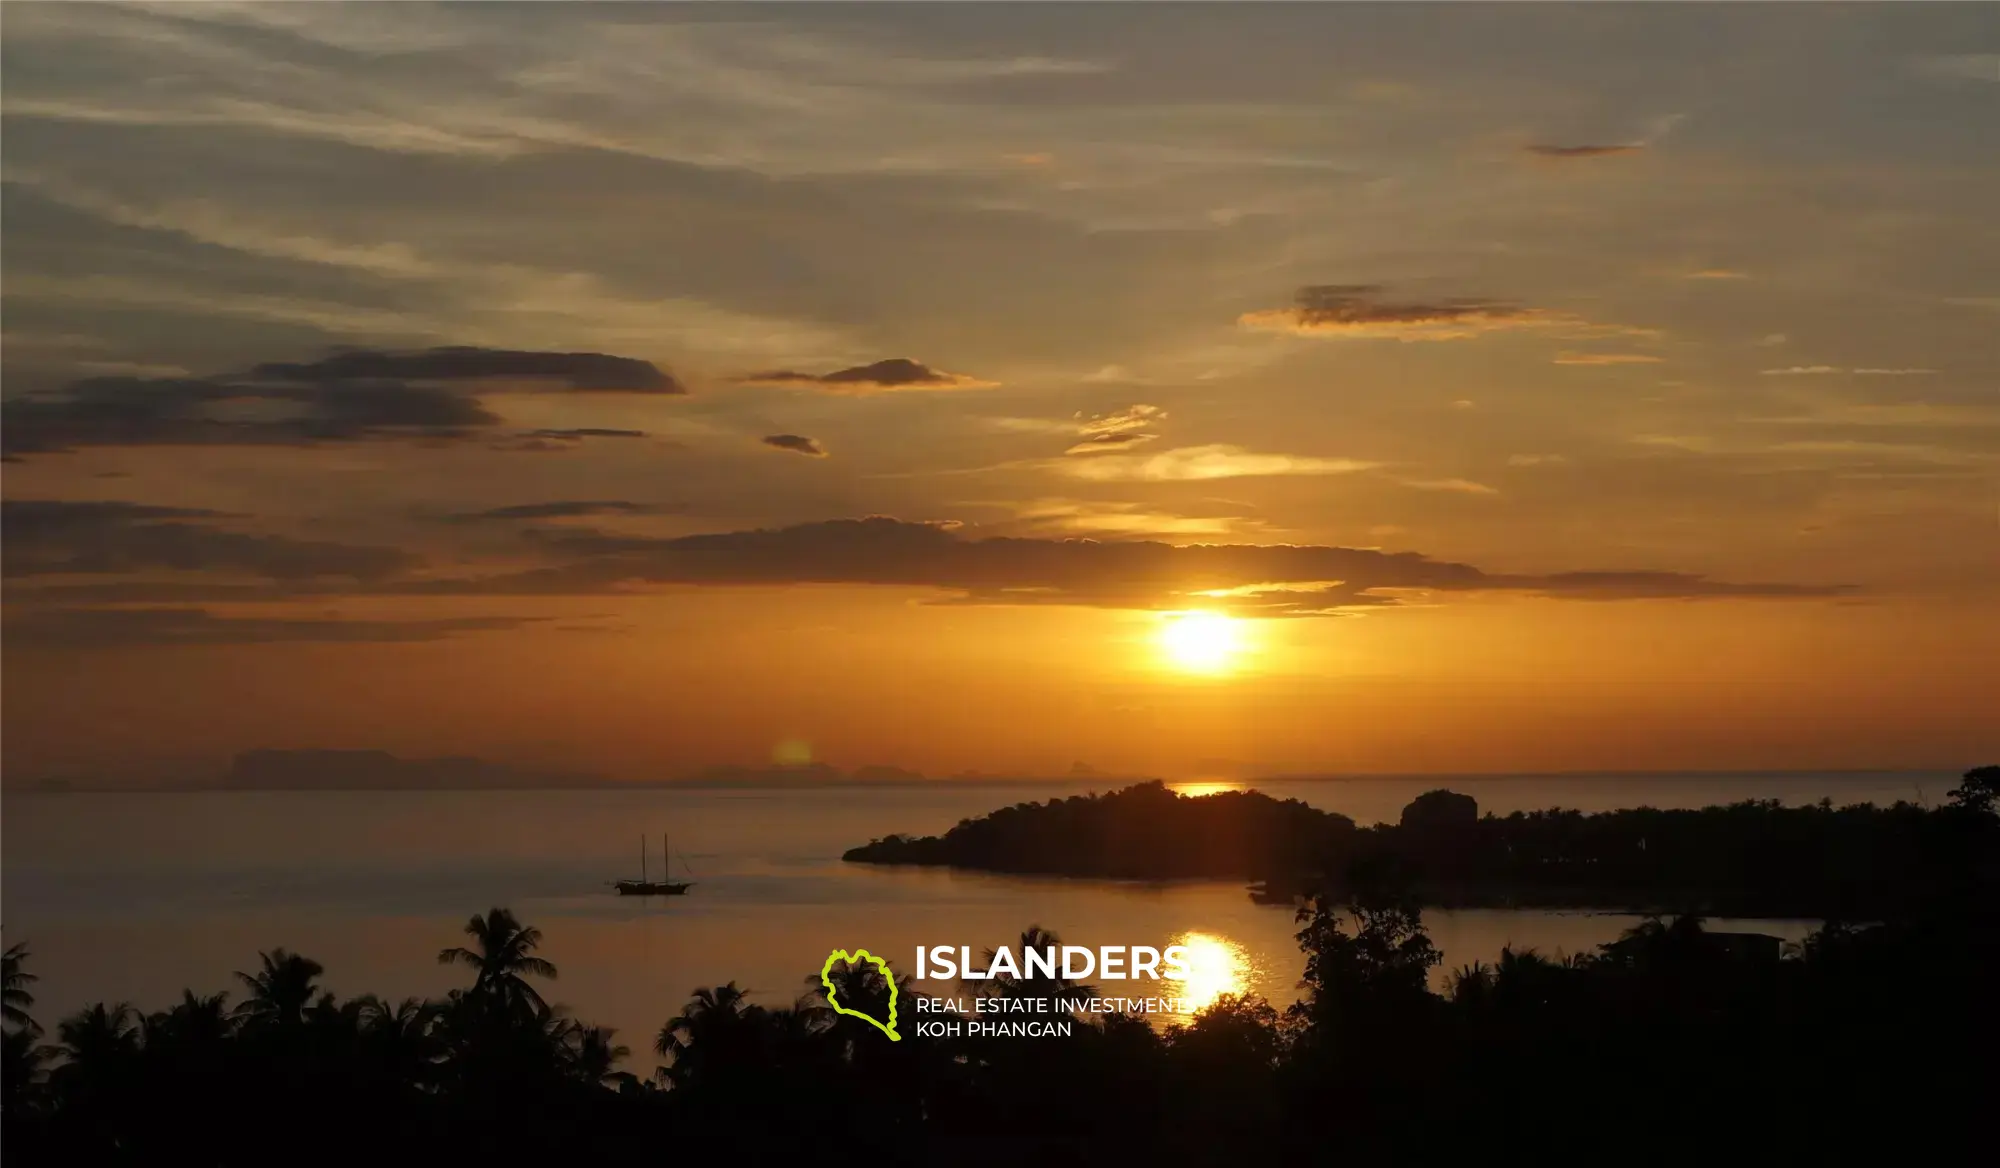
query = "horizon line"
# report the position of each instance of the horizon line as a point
(778, 778)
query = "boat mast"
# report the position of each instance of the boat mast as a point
(642, 859)
(666, 859)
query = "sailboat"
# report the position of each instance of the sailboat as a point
(644, 887)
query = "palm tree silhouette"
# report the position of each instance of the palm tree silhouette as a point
(589, 1052)
(97, 1041)
(399, 1040)
(1470, 983)
(20, 1068)
(15, 997)
(503, 955)
(711, 1033)
(281, 990)
(195, 1022)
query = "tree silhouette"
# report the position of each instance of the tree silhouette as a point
(97, 1044)
(15, 997)
(193, 1021)
(1979, 791)
(1470, 983)
(503, 956)
(20, 1070)
(715, 1036)
(590, 1055)
(399, 1040)
(1387, 953)
(281, 991)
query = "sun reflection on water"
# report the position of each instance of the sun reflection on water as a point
(1197, 789)
(1215, 966)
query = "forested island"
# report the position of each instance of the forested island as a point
(1668, 1044)
(1754, 858)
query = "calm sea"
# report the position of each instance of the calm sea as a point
(135, 896)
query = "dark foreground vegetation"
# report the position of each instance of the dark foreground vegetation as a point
(1865, 1043)
(1756, 858)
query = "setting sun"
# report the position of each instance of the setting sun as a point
(1215, 966)
(1201, 642)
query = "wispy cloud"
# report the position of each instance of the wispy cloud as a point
(63, 537)
(1657, 129)
(1961, 67)
(1891, 415)
(562, 509)
(583, 432)
(1189, 463)
(1567, 358)
(503, 305)
(796, 444)
(888, 376)
(1829, 370)
(110, 628)
(1460, 486)
(1362, 310)
(1127, 519)
(1116, 431)
(1109, 443)
(1108, 433)
(1551, 151)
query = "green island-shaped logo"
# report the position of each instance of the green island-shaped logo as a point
(826, 979)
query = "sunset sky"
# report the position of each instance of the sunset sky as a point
(1529, 387)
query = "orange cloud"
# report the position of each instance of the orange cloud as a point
(1825, 370)
(1606, 359)
(1461, 486)
(1195, 463)
(1119, 430)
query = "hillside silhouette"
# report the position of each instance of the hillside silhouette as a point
(1754, 858)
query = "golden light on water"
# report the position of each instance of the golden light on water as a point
(1201, 642)
(1199, 788)
(1215, 966)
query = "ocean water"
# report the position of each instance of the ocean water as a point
(134, 896)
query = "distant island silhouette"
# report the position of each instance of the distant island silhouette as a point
(1752, 858)
(345, 770)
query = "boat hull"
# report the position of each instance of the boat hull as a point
(649, 888)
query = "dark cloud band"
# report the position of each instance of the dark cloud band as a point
(55, 537)
(350, 396)
(893, 374)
